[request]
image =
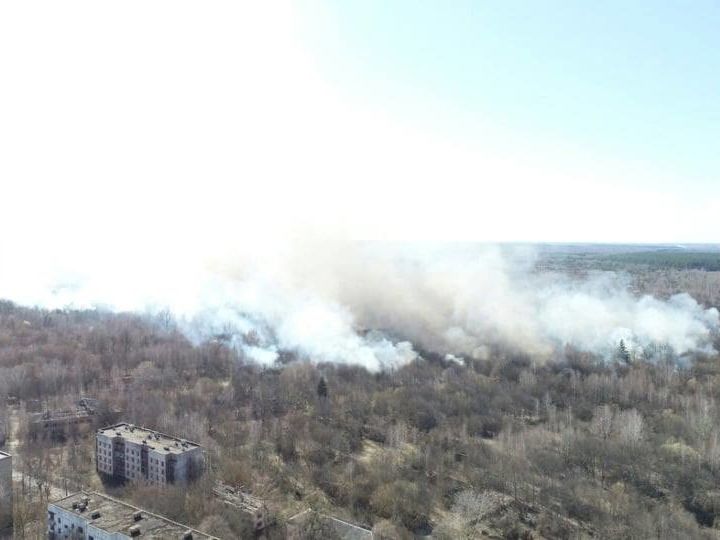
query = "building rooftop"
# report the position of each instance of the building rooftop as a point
(158, 442)
(343, 529)
(238, 497)
(114, 516)
(60, 415)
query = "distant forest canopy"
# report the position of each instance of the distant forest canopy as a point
(668, 259)
(655, 259)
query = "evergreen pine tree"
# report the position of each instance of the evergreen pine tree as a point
(623, 352)
(322, 389)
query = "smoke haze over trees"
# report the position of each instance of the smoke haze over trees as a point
(569, 448)
(378, 305)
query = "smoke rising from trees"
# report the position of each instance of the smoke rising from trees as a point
(377, 305)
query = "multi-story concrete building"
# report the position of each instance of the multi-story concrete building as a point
(58, 425)
(127, 452)
(6, 493)
(250, 508)
(3, 431)
(95, 516)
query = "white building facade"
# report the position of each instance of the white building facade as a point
(127, 452)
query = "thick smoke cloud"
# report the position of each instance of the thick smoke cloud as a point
(377, 305)
(461, 300)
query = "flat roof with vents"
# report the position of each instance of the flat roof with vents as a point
(116, 516)
(159, 442)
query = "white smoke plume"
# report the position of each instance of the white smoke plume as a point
(376, 305)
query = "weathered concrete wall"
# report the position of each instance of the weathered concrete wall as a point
(6, 491)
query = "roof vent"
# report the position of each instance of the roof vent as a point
(95, 514)
(134, 531)
(137, 516)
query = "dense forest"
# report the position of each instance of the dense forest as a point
(505, 447)
(655, 260)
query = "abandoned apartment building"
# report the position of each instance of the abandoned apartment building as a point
(251, 508)
(95, 516)
(58, 424)
(127, 452)
(6, 493)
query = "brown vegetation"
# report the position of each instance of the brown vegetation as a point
(500, 447)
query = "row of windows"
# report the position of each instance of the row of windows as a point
(159, 479)
(59, 522)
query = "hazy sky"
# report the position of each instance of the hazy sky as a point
(177, 127)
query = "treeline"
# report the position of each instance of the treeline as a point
(676, 260)
(502, 447)
(662, 259)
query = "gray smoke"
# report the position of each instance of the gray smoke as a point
(376, 305)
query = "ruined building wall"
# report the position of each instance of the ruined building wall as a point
(6, 492)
